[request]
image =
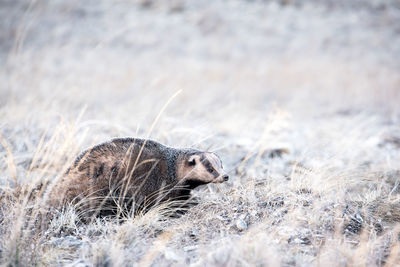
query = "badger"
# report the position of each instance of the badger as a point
(132, 174)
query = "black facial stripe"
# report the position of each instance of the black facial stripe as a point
(207, 164)
(210, 168)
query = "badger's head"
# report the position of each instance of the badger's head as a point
(198, 168)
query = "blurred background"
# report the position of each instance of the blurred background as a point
(233, 63)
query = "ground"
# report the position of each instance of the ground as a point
(300, 99)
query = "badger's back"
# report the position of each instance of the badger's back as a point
(123, 171)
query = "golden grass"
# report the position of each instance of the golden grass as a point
(310, 142)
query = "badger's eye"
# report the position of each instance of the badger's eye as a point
(192, 162)
(211, 170)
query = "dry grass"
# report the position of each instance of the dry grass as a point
(308, 130)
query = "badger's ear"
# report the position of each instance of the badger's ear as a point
(192, 160)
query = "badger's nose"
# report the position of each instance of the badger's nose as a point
(225, 177)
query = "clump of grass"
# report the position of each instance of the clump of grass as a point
(279, 209)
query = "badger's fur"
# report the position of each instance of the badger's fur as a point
(134, 174)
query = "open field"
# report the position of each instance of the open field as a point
(301, 100)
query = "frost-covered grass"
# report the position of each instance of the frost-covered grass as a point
(299, 99)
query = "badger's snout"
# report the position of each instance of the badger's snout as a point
(221, 178)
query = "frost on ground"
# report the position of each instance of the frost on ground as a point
(299, 98)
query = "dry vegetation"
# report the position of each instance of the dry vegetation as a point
(299, 98)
